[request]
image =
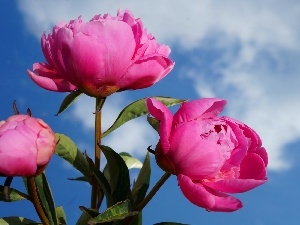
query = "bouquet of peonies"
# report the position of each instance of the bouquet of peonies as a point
(211, 156)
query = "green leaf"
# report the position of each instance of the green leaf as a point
(83, 219)
(67, 150)
(118, 174)
(91, 212)
(141, 185)
(68, 101)
(117, 212)
(14, 195)
(98, 176)
(17, 221)
(153, 122)
(170, 223)
(46, 198)
(61, 215)
(78, 179)
(137, 109)
(130, 161)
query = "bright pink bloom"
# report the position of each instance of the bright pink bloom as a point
(105, 55)
(26, 145)
(210, 155)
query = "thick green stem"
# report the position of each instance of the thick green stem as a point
(97, 134)
(156, 187)
(150, 195)
(36, 201)
(95, 188)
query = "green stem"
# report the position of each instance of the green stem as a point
(156, 187)
(36, 201)
(150, 195)
(95, 189)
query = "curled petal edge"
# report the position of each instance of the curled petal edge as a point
(206, 197)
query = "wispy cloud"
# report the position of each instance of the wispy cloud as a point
(255, 64)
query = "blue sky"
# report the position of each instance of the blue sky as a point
(246, 52)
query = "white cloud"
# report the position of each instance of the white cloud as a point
(266, 22)
(261, 89)
(257, 69)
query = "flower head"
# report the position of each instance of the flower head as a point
(210, 155)
(102, 56)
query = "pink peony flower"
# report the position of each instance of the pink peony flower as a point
(105, 55)
(210, 155)
(26, 145)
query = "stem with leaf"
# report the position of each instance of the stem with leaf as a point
(150, 195)
(35, 200)
(96, 193)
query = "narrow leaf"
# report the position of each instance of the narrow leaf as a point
(141, 185)
(68, 101)
(118, 174)
(46, 198)
(67, 150)
(83, 219)
(61, 215)
(137, 109)
(91, 212)
(130, 161)
(117, 212)
(17, 221)
(98, 176)
(153, 122)
(14, 195)
(78, 179)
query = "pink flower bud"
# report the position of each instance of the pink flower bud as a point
(210, 155)
(26, 145)
(102, 56)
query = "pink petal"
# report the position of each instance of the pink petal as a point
(49, 79)
(60, 53)
(164, 115)
(255, 141)
(234, 185)
(20, 160)
(199, 109)
(145, 72)
(46, 146)
(206, 197)
(193, 156)
(242, 143)
(253, 167)
(101, 53)
(263, 154)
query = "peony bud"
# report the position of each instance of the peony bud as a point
(26, 145)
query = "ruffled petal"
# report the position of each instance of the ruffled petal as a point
(234, 185)
(164, 115)
(145, 72)
(101, 53)
(199, 109)
(253, 167)
(262, 152)
(48, 78)
(193, 156)
(252, 174)
(241, 142)
(206, 197)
